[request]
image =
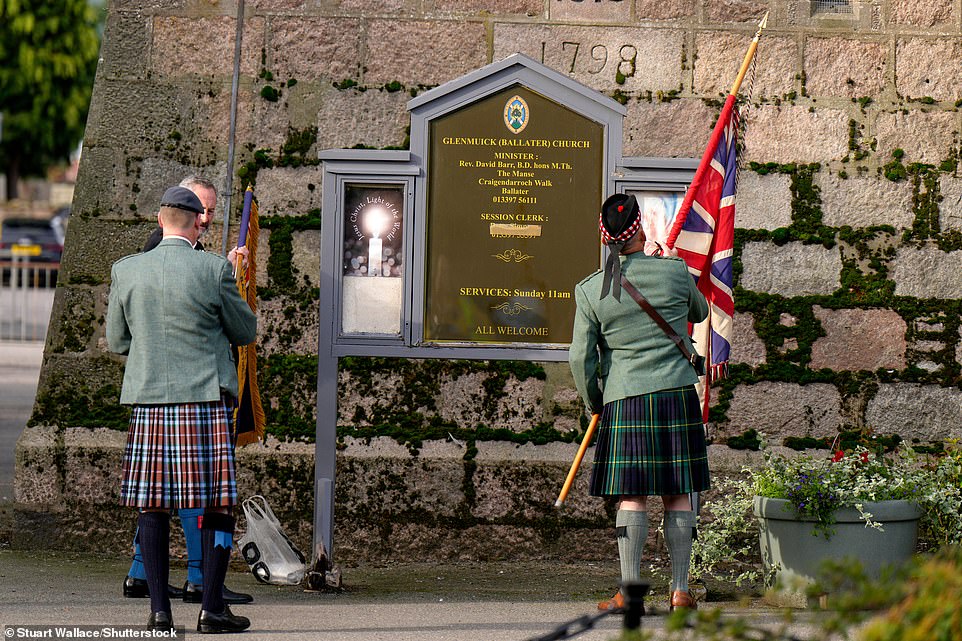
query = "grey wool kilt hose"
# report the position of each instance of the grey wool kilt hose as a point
(180, 456)
(651, 445)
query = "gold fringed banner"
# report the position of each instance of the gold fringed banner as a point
(249, 417)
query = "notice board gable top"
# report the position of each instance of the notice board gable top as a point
(515, 69)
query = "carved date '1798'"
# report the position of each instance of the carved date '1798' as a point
(597, 58)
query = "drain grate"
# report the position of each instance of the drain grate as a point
(831, 6)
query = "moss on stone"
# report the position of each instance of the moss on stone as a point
(411, 419)
(865, 284)
(894, 170)
(270, 94)
(75, 405)
(296, 147)
(926, 195)
(283, 378)
(75, 329)
(748, 440)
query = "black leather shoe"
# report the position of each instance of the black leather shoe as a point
(226, 621)
(160, 621)
(231, 597)
(194, 593)
(137, 589)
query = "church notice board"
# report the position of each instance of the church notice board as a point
(514, 189)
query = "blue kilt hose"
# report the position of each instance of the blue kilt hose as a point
(180, 456)
(651, 445)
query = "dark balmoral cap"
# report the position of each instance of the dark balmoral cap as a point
(182, 198)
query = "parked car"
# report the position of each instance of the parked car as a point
(35, 240)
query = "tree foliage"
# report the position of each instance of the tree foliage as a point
(48, 57)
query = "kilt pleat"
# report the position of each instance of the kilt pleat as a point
(179, 456)
(651, 445)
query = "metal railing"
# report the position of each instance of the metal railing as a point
(702, 627)
(26, 298)
(633, 610)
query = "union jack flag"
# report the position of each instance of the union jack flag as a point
(703, 233)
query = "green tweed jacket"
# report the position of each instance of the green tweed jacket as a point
(617, 350)
(175, 312)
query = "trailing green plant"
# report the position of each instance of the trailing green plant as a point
(727, 542)
(941, 522)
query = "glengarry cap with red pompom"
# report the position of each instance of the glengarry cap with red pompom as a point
(619, 221)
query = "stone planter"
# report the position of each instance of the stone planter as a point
(789, 544)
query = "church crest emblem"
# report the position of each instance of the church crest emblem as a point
(516, 114)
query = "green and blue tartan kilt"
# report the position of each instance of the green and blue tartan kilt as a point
(180, 456)
(651, 445)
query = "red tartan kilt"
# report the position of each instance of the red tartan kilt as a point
(179, 456)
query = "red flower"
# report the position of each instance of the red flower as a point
(865, 457)
(839, 455)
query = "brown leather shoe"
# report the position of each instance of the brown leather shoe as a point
(682, 599)
(613, 603)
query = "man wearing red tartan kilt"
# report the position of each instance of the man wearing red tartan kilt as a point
(175, 312)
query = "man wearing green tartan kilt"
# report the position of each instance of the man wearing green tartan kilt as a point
(651, 440)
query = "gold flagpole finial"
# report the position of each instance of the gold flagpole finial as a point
(762, 25)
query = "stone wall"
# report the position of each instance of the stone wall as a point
(848, 244)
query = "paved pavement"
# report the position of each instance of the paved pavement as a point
(19, 371)
(468, 602)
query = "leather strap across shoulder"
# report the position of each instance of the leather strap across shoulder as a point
(655, 316)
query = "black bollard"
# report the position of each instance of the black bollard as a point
(634, 604)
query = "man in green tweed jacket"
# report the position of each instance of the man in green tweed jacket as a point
(651, 441)
(135, 582)
(174, 312)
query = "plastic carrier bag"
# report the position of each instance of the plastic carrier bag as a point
(271, 555)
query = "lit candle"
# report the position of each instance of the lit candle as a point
(374, 257)
(376, 222)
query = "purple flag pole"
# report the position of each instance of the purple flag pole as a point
(245, 221)
(245, 217)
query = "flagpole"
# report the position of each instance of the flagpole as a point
(232, 128)
(748, 56)
(708, 370)
(585, 442)
(716, 135)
